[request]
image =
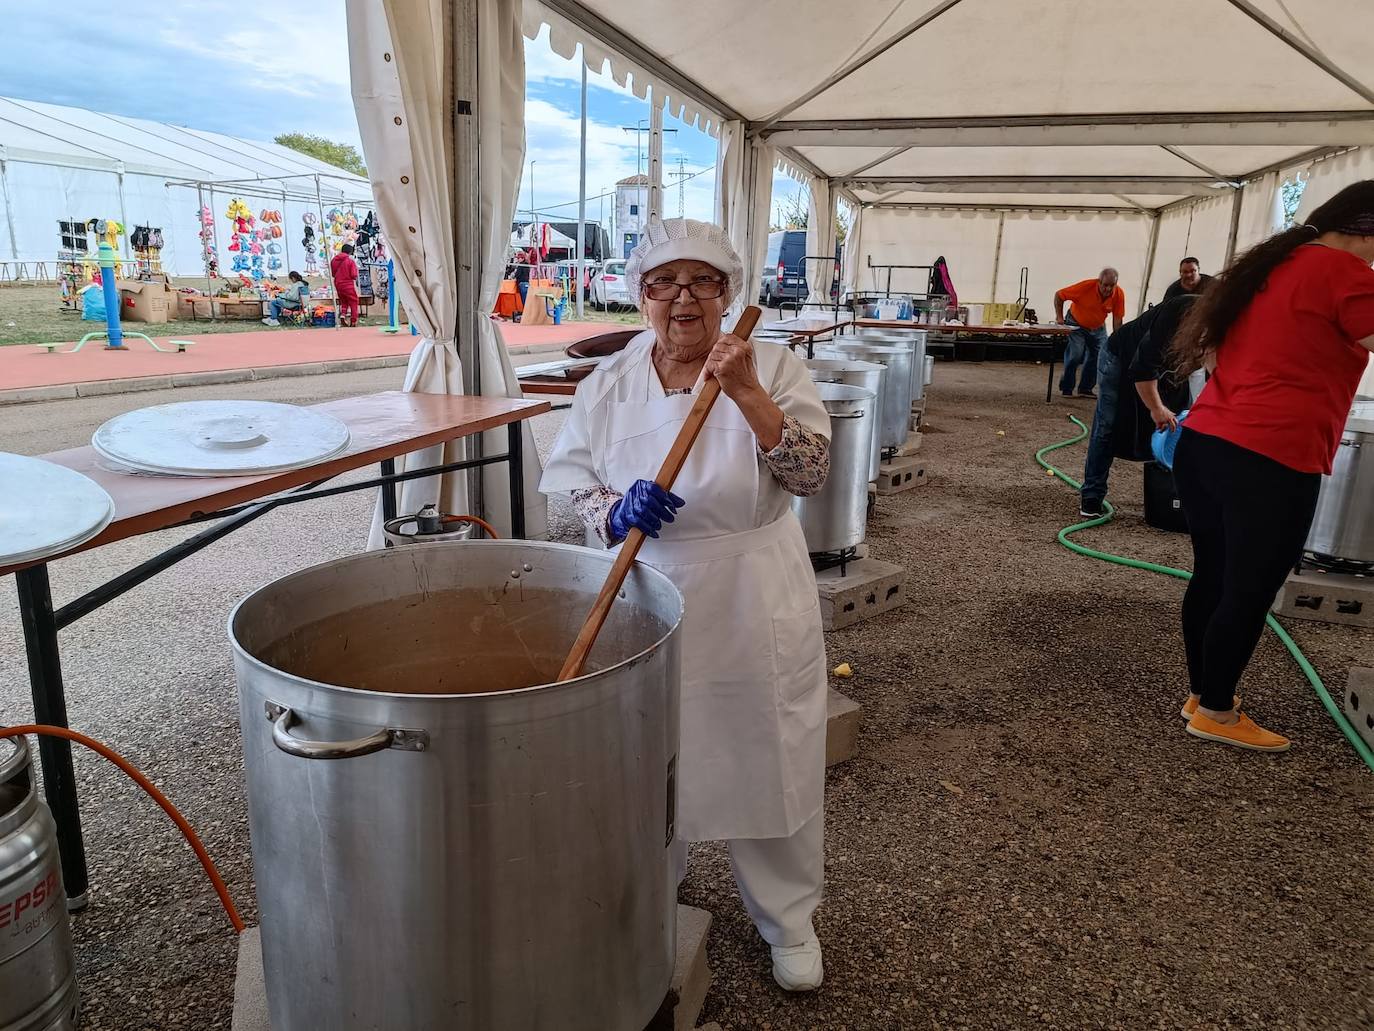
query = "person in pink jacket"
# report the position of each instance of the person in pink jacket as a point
(345, 272)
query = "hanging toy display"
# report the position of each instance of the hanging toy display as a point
(311, 245)
(335, 228)
(243, 242)
(208, 250)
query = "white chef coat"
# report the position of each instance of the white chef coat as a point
(752, 754)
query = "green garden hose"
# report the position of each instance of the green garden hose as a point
(1065, 538)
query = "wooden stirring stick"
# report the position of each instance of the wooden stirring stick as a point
(672, 465)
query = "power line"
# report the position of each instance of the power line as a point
(611, 193)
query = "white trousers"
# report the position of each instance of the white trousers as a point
(780, 880)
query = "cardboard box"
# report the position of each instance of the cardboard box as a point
(246, 308)
(194, 306)
(145, 302)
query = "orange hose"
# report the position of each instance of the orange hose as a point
(474, 520)
(156, 795)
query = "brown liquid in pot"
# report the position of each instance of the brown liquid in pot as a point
(453, 642)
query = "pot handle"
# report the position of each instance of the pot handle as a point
(283, 717)
(847, 415)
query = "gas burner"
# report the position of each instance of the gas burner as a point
(1332, 564)
(821, 560)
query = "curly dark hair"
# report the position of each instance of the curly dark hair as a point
(1351, 210)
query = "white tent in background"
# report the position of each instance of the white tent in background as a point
(65, 163)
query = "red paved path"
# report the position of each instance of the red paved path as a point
(24, 365)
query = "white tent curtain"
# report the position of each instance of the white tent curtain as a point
(1261, 211)
(401, 86)
(853, 246)
(744, 199)
(501, 157)
(1061, 248)
(1197, 230)
(820, 239)
(1327, 178)
(399, 92)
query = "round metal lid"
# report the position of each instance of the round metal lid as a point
(46, 509)
(1361, 418)
(220, 438)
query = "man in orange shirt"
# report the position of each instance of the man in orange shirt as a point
(1092, 301)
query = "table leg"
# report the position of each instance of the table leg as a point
(1049, 383)
(50, 707)
(515, 469)
(388, 489)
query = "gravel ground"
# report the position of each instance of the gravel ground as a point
(1027, 837)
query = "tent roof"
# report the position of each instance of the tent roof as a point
(997, 101)
(72, 137)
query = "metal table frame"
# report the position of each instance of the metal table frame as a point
(41, 623)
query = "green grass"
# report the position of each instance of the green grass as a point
(33, 314)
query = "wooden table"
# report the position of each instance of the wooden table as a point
(1052, 337)
(381, 427)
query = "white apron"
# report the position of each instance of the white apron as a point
(752, 757)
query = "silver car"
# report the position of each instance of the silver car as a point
(608, 287)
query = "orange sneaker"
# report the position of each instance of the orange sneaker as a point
(1190, 706)
(1244, 733)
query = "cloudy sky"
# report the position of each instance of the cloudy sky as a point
(256, 69)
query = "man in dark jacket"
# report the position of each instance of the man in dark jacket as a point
(1190, 280)
(1139, 348)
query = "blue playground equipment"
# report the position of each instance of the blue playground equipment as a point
(113, 333)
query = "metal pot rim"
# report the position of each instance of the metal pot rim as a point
(359, 692)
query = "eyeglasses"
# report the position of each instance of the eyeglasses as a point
(701, 289)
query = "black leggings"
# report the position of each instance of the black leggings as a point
(1248, 516)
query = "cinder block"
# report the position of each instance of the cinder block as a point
(866, 589)
(899, 474)
(1327, 598)
(841, 728)
(681, 1008)
(912, 445)
(104, 387)
(1359, 702)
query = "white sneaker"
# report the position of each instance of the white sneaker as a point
(798, 968)
(270, 322)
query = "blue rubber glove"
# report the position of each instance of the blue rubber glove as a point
(1163, 442)
(645, 505)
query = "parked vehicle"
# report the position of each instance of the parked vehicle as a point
(784, 270)
(567, 268)
(608, 287)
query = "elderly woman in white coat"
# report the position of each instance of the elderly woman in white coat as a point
(751, 764)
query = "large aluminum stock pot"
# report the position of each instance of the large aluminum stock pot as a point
(442, 837)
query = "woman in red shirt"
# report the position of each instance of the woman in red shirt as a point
(1289, 327)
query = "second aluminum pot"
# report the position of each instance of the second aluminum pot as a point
(895, 417)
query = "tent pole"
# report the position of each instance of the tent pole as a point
(286, 236)
(123, 218)
(9, 209)
(1308, 51)
(462, 28)
(997, 254)
(1236, 202)
(214, 238)
(328, 273)
(1149, 266)
(655, 156)
(582, 195)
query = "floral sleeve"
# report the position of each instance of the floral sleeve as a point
(593, 505)
(801, 461)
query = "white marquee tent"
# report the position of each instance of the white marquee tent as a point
(1059, 135)
(65, 163)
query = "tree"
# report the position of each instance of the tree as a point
(340, 155)
(792, 212)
